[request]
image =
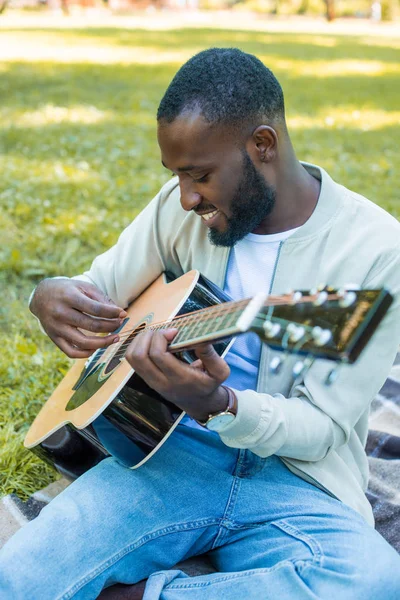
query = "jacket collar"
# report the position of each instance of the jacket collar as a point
(329, 203)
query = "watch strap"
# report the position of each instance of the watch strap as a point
(232, 402)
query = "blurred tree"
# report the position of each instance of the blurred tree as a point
(387, 10)
(275, 8)
(330, 9)
(3, 5)
(65, 7)
(303, 8)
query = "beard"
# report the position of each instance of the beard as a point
(252, 202)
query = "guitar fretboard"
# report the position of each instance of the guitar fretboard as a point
(211, 323)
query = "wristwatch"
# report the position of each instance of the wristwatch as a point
(218, 421)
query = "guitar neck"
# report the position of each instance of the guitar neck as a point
(327, 323)
(215, 323)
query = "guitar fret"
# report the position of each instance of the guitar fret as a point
(202, 325)
(188, 331)
(232, 317)
(188, 323)
(196, 332)
(218, 321)
(198, 319)
(207, 326)
(223, 321)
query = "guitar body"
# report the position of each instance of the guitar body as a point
(102, 407)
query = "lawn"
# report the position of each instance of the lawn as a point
(79, 160)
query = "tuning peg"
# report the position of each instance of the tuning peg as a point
(321, 298)
(296, 332)
(321, 336)
(298, 369)
(315, 290)
(347, 298)
(275, 365)
(332, 376)
(301, 367)
(296, 297)
(271, 329)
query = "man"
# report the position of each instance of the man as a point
(273, 490)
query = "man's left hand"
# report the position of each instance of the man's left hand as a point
(194, 388)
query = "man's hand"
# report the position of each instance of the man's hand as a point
(194, 388)
(64, 306)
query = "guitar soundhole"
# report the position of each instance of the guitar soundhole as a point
(120, 353)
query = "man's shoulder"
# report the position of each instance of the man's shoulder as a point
(170, 189)
(368, 209)
(373, 235)
(359, 217)
(170, 195)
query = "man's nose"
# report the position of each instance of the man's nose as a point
(189, 197)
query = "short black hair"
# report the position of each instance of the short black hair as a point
(228, 85)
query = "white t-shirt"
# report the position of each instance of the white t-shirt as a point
(251, 267)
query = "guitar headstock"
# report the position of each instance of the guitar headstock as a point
(324, 323)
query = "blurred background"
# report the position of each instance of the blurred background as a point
(378, 10)
(80, 82)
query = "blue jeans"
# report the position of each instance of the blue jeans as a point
(268, 533)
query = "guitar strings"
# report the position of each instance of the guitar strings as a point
(121, 355)
(179, 323)
(226, 308)
(209, 313)
(125, 344)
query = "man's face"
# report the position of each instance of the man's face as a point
(217, 179)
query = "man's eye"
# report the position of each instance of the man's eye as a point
(202, 179)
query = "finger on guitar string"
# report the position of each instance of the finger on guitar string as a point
(70, 350)
(103, 307)
(168, 363)
(214, 365)
(76, 318)
(137, 355)
(86, 342)
(57, 304)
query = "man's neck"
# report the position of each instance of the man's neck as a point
(297, 193)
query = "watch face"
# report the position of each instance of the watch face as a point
(219, 422)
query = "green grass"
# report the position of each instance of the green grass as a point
(79, 160)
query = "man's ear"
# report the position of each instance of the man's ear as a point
(263, 144)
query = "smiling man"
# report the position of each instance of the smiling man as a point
(265, 473)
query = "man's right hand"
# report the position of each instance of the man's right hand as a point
(65, 306)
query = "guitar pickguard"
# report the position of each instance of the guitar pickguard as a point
(92, 364)
(98, 371)
(113, 361)
(88, 386)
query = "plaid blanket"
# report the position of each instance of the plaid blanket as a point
(383, 449)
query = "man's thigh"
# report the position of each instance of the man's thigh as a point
(115, 524)
(330, 547)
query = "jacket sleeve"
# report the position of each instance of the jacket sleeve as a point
(136, 260)
(315, 419)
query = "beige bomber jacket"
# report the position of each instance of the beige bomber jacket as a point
(319, 432)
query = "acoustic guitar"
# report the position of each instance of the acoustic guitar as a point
(102, 407)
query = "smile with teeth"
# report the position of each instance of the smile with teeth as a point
(209, 215)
